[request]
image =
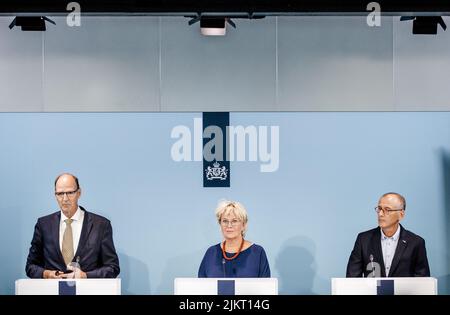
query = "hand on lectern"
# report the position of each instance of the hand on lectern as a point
(52, 274)
(74, 272)
(78, 274)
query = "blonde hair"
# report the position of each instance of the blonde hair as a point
(226, 207)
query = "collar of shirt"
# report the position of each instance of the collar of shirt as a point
(393, 237)
(76, 217)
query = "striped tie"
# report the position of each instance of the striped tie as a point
(67, 243)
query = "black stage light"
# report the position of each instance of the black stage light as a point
(30, 23)
(426, 25)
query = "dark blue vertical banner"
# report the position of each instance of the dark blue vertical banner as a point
(225, 287)
(385, 287)
(67, 288)
(216, 167)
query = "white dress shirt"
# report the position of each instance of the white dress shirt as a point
(388, 246)
(77, 224)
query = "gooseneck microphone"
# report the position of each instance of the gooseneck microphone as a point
(371, 264)
(223, 267)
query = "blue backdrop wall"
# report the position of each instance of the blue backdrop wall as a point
(333, 167)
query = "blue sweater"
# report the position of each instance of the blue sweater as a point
(251, 263)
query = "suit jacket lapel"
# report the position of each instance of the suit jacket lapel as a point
(56, 221)
(378, 253)
(85, 230)
(399, 250)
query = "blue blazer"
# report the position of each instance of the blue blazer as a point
(96, 252)
(410, 258)
(251, 263)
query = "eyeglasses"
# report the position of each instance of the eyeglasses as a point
(69, 194)
(378, 209)
(233, 222)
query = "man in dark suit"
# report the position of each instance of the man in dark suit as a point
(72, 235)
(389, 250)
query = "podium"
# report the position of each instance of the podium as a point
(384, 286)
(68, 287)
(226, 286)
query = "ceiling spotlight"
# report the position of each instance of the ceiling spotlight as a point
(427, 25)
(30, 23)
(212, 26)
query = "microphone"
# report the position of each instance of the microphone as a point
(371, 264)
(223, 267)
(76, 267)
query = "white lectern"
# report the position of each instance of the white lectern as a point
(384, 286)
(68, 287)
(226, 286)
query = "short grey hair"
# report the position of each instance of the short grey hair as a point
(402, 199)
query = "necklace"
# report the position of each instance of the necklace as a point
(235, 255)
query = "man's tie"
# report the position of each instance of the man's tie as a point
(67, 243)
